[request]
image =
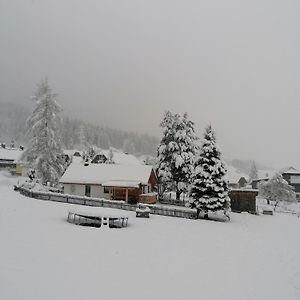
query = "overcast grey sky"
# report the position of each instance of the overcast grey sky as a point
(122, 63)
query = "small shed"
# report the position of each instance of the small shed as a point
(9, 159)
(243, 200)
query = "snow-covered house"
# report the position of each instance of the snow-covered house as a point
(235, 178)
(117, 158)
(73, 155)
(292, 176)
(263, 176)
(131, 183)
(9, 159)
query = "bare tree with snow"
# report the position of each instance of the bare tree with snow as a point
(44, 151)
(277, 189)
(176, 152)
(110, 159)
(253, 172)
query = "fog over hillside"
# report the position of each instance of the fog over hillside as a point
(79, 134)
(75, 133)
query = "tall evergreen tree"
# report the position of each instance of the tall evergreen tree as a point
(44, 152)
(176, 152)
(209, 190)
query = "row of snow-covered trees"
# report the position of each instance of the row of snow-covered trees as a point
(74, 134)
(81, 135)
(185, 166)
(48, 133)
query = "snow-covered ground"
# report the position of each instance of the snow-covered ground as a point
(44, 257)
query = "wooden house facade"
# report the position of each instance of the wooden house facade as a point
(292, 176)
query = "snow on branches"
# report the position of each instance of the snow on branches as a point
(209, 190)
(44, 152)
(176, 152)
(277, 189)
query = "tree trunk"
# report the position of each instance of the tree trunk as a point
(198, 213)
(206, 216)
(178, 193)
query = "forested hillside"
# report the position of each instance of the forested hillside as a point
(74, 133)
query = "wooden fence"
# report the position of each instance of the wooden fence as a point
(96, 202)
(172, 202)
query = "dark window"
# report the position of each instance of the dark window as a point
(106, 190)
(88, 190)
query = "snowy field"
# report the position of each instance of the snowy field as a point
(44, 257)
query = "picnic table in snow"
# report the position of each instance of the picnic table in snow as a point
(96, 220)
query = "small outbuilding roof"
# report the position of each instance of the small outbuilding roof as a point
(290, 171)
(130, 175)
(233, 175)
(122, 158)
(71, 152)
(265, 174)
(10, 154)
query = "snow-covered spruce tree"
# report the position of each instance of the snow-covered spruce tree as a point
(176, 153)
(277, 189)
(253, 172)
(91, 152)
(44, 151)
(209, 190)
(110, 159)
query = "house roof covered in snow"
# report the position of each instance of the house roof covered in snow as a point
(233, 175)
(109, 174)
(290, 170)
(10, 154)
(71, 152)
(122, 158)
(265, 174)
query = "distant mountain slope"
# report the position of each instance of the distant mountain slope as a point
(244, 166)
(12, 122)
(75, 133)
